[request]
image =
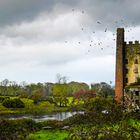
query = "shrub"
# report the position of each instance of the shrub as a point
(2, 98)
(17, 129)
(51, 123)
(13, 103)
(122, 130)
(50, 100)
(77, 119)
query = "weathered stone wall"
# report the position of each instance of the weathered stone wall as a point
(132, 56)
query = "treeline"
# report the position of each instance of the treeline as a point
(12, 88)
(54, 92)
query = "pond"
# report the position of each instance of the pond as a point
(38, 118)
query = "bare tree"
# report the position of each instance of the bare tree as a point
(61, 79)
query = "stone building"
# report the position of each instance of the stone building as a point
(127, 68)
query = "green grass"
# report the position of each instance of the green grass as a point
(48, 135)
(43, 107)
(30, 108)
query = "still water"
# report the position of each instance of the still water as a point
(56, 116)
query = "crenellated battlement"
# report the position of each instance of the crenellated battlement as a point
(132, 43)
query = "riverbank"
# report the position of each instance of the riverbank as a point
(93, 124)
(32, 111)
(80, 126)
(40, 108)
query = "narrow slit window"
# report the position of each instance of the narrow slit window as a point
(137, 93)
(126, 61)
(126, 70)
(136, 61)
(126, 80)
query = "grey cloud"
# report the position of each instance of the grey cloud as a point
(13, 11)
(43, 28)
(34, 34)
(106, 11)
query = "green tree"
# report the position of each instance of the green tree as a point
(3, 86)
(103, 89)
(37, 95)
(60, 94)
(76, 86)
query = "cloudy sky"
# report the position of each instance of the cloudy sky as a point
(75, 38)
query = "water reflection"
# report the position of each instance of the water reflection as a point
(57, 116)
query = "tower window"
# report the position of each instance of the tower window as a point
(126, 61)
(126, 80)
(137, 101)
(137, 93)
(126, 70)
(136, 61)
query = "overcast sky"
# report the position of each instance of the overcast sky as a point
(75, 38)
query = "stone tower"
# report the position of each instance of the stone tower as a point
(127, 68)
(120, 52)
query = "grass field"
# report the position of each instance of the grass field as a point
(42, 107)
(48, 135)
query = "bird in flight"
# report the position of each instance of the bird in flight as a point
(98, 22)
(106, 30)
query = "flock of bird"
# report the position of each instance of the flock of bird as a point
(100, 44)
